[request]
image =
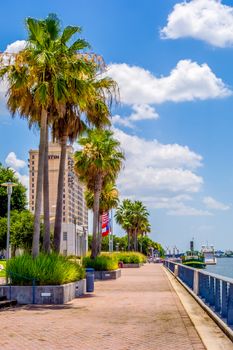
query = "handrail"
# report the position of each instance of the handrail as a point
(214, 290)
(223, 278)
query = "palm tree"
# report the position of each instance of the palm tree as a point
(133, 217)
(97, 163)
(123, 216)
(38, 80)
(90, 99)
(109, 199)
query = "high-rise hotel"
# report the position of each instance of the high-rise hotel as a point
(75, 214)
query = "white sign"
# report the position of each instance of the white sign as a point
(46, 294)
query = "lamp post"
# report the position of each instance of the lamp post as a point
(9, 186)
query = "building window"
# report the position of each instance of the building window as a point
(33, 162)
(64, 236)
(32, 179)
(64, 219)
(33, 156)
(32, 185)
(32, 191)
(32, 208)
(32, 197)
(32, 173)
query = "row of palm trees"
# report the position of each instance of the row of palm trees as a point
(56, 85)
(133, 217)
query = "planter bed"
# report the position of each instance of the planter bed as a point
(56, 294)
(132, 265)
(107, 275)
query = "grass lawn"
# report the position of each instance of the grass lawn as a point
(2, 272)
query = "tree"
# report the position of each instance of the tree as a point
(18, 198)
(109, 199)
(97, 163)
(21, 230)
(123, 218)
(38, 89)
(133, 217)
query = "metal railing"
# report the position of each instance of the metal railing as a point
(214, 290)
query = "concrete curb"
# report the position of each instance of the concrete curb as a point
(222, 325)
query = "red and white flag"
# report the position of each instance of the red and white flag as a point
(105, 224)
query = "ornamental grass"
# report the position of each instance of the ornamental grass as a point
(130, 257)
(103, 262)
(46, 269)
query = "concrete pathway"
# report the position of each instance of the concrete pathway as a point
(139, 311)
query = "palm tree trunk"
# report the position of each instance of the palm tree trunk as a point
(46, 241)
(39, 186)
(60, 185)
(128, 233)
(97, 193)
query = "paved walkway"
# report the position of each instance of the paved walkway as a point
(139, 311)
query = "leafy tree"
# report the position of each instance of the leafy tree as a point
(18, 197)
(97, 163)
(21, 230)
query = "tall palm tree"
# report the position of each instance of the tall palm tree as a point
(109, 199)
(38, 75)
(98, 161)
(91, 101)
(123, 218)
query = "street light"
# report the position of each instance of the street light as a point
(9, 186)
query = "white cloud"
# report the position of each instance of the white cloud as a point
(212, 203)
(24, 179)
(140, 112)
(11, 48)
(143, 112)
(188, 211)
(16, 46)
(13, 162)
(207, 20)
(188, 81)
(118, 120)
(160, 175)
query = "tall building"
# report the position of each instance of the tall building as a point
(74, 214)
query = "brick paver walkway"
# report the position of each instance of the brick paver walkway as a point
(139, 311)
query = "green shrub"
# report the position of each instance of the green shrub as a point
(103, 262)
(3, 272)
(47, 269)
(130, 257)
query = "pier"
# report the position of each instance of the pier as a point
(143, 310)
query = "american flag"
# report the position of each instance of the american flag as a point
(105, 224)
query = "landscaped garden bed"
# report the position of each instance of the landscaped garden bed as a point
(105, 266)
(130, 259)
(47, 279)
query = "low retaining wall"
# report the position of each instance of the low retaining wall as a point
(107, 275)
(125, 266)
(81, 288)
(59, 294)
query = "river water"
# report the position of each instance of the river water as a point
(223, 267)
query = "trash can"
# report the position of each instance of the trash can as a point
(90, 277)
(120, 264)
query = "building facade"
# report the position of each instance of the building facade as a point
(74, 214)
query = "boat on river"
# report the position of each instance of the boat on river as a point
(193, 258)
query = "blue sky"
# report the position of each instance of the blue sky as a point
(173, 63)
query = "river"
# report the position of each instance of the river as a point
(223, 267)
